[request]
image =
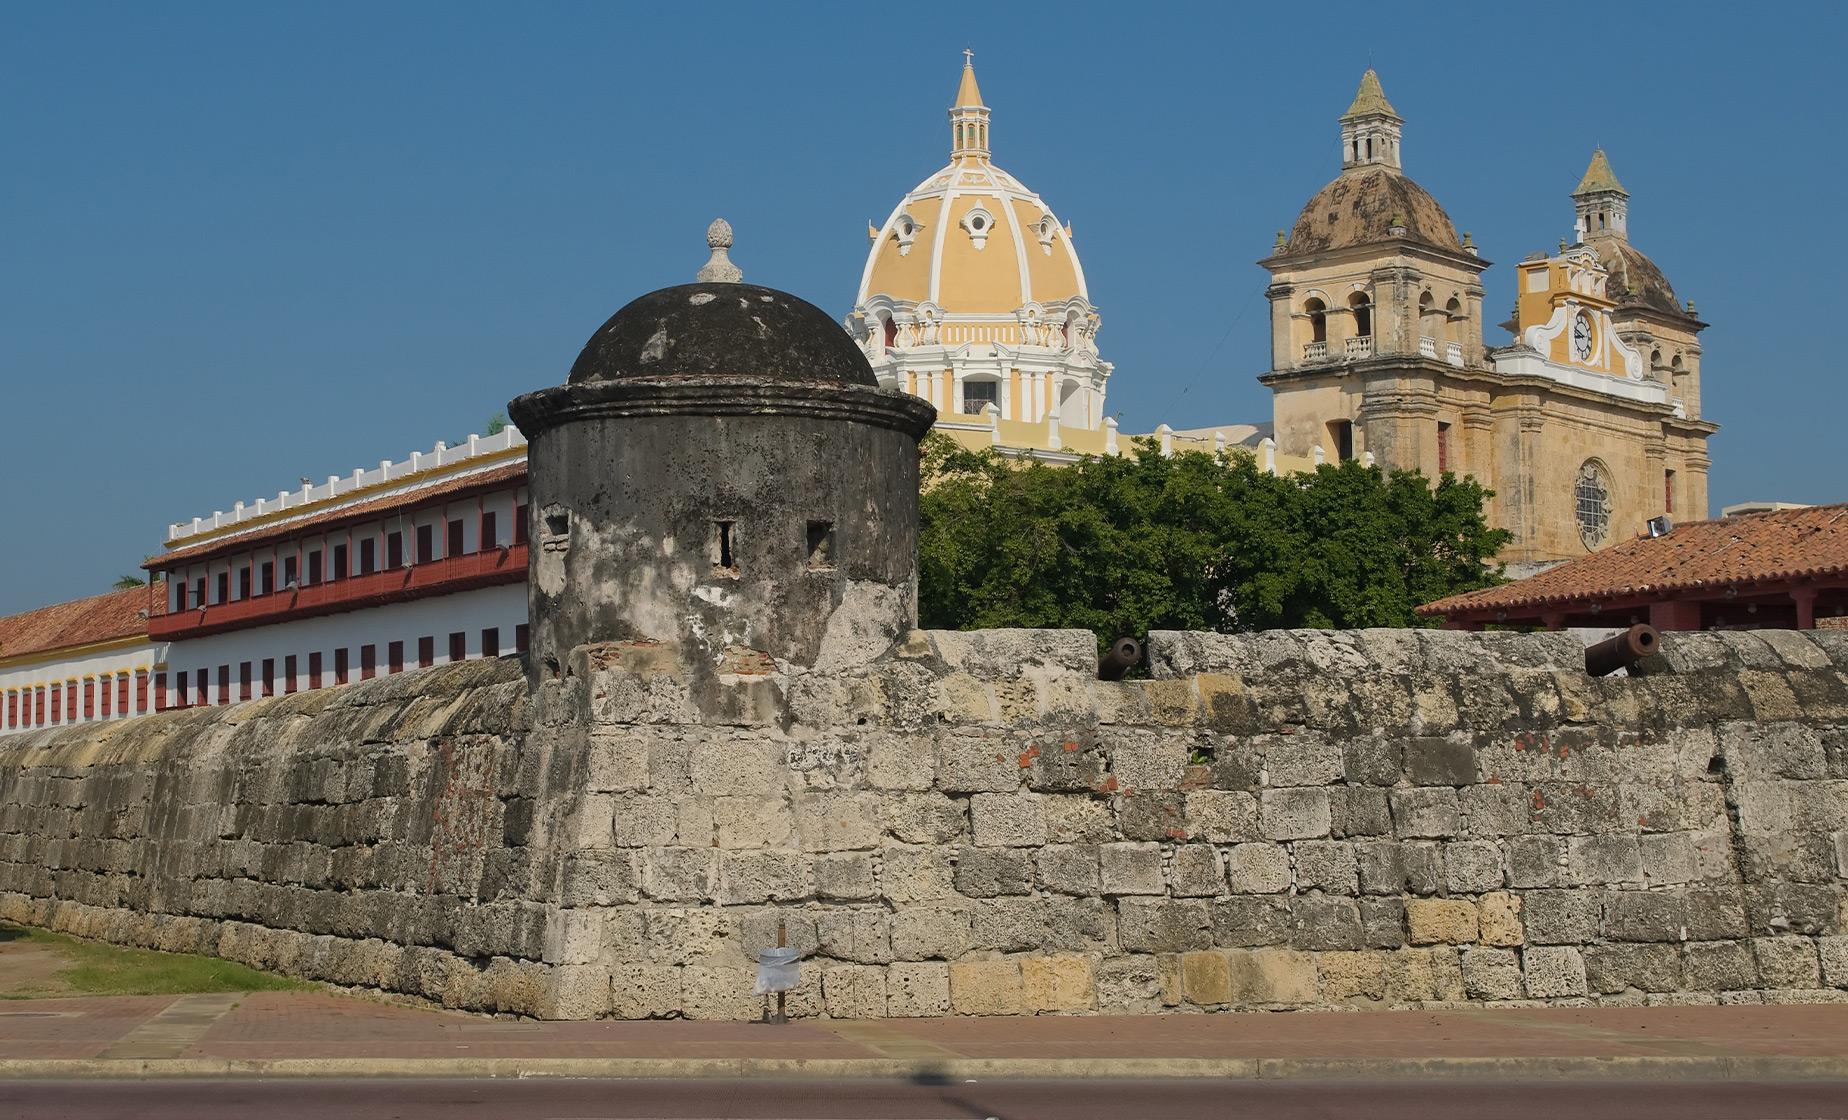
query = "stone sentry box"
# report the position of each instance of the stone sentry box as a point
(721, 471)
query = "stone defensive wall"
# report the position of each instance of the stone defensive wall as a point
(974, 824)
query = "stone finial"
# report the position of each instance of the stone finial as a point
(1690, 307)
(1281, 244)
(719, 269)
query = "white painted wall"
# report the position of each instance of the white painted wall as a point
(100, 666)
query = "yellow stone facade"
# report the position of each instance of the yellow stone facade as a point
(1586, 428)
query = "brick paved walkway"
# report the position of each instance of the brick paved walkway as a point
(304, 1027)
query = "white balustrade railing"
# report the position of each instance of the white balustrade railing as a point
(1453, 353)
(442, 455)
(1314, 351)
(1427, 346)
(1360, 347)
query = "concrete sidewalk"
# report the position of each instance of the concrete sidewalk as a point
(311, 1034)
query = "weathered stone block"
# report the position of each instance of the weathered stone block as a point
(847, 876)
(1359, 811)
(765, 876)
(1352, 976)
(836, 821)
(1536, 861)
(859, 933)
(915, 989)
(1327, 865)
(1553, 971)
(1833, 952)
(1294, 814)
(908, 875)
(1206, 977)
(1472, 866)
(1420, 975)
(1221, 816)
(719, 993)
(926, 818)
(1426, 812)
(991, 987)
(1433, 921)
(987, 872)
(1060, 982)
(1320, 922)
(1382, 922)
(854, 991)
(1012, 820)
(1258, 868)
(1273, 976)
(1149, 763)
(1068, 868)
(1440, 762)
(977, 765)
(1196, 872)
(923, 933)
(1644, 916)
(1787, 962)
(1499, 915)
(1719, 966)
(742, 768)
(1375, 761)
(1160, 925)
(1603, 859)
(679, 874)
(1492, 974)
(1131, 868)
(1251, 920)
(1302, 760)
(1560, 917)
(1610, 969)
(900, 763)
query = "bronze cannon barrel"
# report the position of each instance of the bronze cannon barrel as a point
(1123, 655)
(1620, 651)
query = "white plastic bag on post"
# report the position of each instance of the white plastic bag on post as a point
(778, 970)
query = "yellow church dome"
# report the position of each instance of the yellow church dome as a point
(971, 239)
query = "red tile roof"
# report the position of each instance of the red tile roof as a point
(81, 622)
(1755, 548)
(344, 515)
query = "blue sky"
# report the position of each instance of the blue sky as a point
(244, 243)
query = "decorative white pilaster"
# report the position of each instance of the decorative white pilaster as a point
(1110, 436)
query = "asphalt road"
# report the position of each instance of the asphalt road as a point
(867, 1100)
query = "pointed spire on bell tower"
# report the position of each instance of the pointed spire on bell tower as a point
(968, 117)
(1601, 206)
(1371, 127)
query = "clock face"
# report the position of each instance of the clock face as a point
(1581, 337)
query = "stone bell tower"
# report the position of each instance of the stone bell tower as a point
(721, 471)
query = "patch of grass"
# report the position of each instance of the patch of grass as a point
(100, 969)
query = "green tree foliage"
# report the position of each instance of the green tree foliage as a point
(1126, 544)
(497, 424)
(123, 583)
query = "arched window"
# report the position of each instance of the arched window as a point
(891, 331)
(1318, 320)
(1363, 314)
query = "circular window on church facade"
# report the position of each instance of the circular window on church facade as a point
(1591, 503)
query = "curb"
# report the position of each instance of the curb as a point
(1716, 1068)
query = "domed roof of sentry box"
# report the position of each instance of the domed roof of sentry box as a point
(719, 327)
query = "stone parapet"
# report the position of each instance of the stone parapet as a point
(974, 824)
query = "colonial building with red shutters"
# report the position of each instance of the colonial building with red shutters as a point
(409, 564)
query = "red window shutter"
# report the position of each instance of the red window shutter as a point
(426, 652)
(519, 524)
(269, 676)
(243, 680)
(368, 662)
(288, 675)
(314, 670)
(490, 534)
(105, 697)
(522, 637)
(458, 647)
(394, 657)
(341, 658)
(122, 693)
(490, 642)
(205, 694)
(160, 691)
(224, 684)
(454, 544)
